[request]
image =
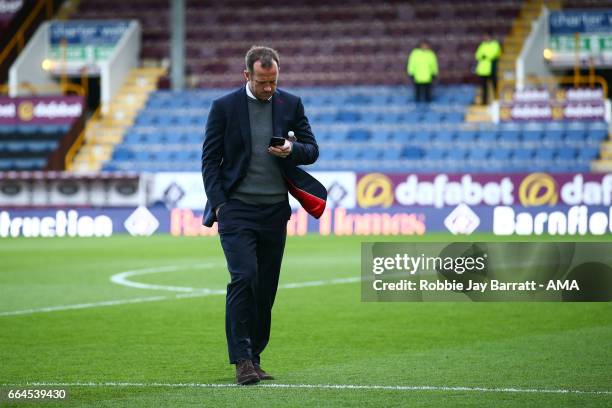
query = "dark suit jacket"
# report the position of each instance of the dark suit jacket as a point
(227, 143)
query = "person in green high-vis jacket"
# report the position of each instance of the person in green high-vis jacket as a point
(422, 67)
(487, 54)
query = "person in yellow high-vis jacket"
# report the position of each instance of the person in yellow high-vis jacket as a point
(487, 54)
(422, 67)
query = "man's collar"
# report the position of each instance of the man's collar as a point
(250, 94)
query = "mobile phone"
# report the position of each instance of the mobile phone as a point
(276, 141)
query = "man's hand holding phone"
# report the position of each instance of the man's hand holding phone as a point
(280, 147)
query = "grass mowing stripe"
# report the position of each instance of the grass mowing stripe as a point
(203, 293)
(311, 386)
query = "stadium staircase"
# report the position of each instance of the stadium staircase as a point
(105, 129)
(604, 164)
(521, 27)
(512, 45)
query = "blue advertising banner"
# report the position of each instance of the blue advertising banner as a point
(82, 222)
(501, 220)
(570, 22)
(87, 32)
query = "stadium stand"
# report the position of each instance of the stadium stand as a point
(18, 21)
(586, 4)
(8, 10)
(349, 43)
(371, 128)
(331, 57)
(103, 133)
(29, 147)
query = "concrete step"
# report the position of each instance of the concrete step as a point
(478, 113)
(105, 139)
(104, 132)
(601, 166)
(606, 150)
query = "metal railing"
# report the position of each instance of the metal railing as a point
(591, 80)
(65, 88)
(79, 141)
(18, 39)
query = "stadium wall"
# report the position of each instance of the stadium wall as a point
(364, 204)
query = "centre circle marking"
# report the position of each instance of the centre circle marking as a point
(122, 278)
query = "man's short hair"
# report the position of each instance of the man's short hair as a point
(265, 55)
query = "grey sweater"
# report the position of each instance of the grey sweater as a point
(263, 183)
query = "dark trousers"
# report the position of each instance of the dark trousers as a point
(253, 240)
(422, 92)
(494, 77)
(484, 84)
(484, 88)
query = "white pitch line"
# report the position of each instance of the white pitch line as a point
(313, 386)
(121, 278)
(84, 305)
(188, 295)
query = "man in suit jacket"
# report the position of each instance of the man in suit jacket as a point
(244, 179)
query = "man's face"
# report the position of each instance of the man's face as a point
(263, 80)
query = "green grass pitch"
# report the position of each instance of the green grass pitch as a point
(64, 324)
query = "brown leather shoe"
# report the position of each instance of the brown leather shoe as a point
(261, 373)
(245, 373)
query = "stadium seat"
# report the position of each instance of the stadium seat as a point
(588, 153)
(566, 154)
(392, 154)
(6, 164)
(347, 116)
(454, 117)
(412, 153)
(431, 117)
(457, 155)
(500, 154)
(435, 154)
(402, 136)
(523, 154)
(370, 154)
(443, 137)
(544, 155)
(487, 137)
(531, 136)
(466, 136)
(371, 118)
(327, 154)
(575, 137)
(554, 137)
(596, 136)
(478, 154)
(510, 135)
(7, 130)
(358, 135)
(422, 138)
